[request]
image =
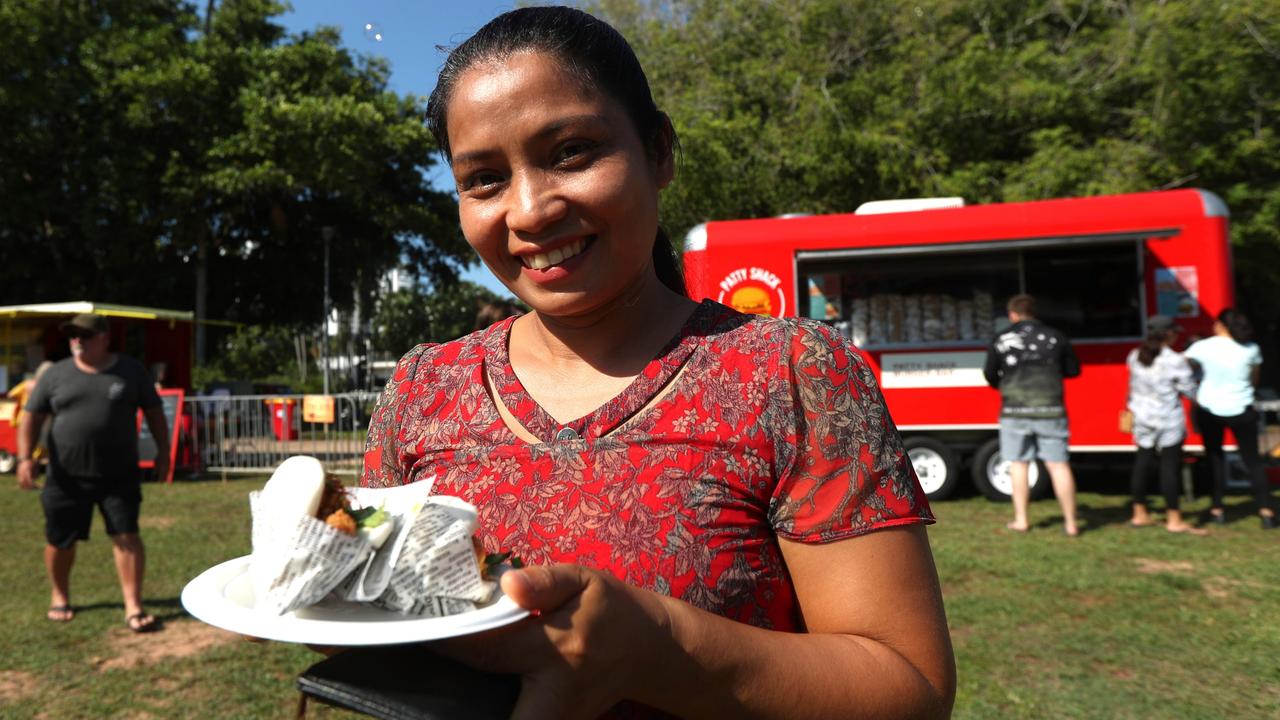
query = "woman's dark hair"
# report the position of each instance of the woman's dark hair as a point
(1237, 324)
(591, 52)
(1151, 346)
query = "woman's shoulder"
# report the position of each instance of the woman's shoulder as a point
(731, 328)
(427, 358)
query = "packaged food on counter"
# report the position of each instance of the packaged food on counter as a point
(947, 318)
(911, 318)
(984, 319)
(964, 320)
(858, 321)
(932, 318)
(894, 324)
(877, 330)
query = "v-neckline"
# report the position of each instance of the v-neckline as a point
(599, 422)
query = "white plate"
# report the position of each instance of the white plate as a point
(223, 597)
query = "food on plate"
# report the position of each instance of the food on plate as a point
(300, 486)
(399, 548)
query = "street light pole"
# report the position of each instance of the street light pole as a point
(326, 232)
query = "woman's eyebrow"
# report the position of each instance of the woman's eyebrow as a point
(552, 128)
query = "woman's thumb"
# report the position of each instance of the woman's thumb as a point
(544, 587)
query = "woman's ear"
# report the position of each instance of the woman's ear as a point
(664, 152)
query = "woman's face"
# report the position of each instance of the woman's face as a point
(555, 190)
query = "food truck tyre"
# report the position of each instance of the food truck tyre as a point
(990, 474)
(7, 462)
(935, 464)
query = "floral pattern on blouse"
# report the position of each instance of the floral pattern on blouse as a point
(744, 429)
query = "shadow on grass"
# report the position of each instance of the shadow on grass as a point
(172, 607)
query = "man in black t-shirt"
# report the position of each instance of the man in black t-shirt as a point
(93, 397)
(1027, 363)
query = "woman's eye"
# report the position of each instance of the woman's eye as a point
(574, 152)
(480, 181)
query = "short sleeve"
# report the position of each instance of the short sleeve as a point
(1255, 355)
(1195, 351)
(148, 398)
(40, 399)
(847, 472)
(383, 464)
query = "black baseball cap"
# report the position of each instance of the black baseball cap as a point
(84, 323)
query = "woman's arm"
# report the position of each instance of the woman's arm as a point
(877, 646)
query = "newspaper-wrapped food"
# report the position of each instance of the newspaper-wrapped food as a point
(398, 548)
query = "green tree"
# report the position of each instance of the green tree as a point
(820, 105)
(407, 317)
(155, 155)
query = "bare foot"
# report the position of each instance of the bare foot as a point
(1187, 529)
(1018, 528)
(1144, 522)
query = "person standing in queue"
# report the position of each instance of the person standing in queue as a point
(1230, 364)
(1027, 363)
(93, 398)
(716, 513)
(1158, 380)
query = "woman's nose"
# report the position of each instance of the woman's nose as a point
(536, 202)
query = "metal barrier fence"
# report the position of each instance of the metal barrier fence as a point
(254, 433)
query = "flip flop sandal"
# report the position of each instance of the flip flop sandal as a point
(60, 613)
(135, 623)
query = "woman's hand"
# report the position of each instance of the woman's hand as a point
(589, 645)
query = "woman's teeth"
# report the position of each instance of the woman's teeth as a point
(554, 257)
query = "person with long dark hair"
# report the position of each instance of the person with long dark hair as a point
(716, 513)
(1230, 365)
(1158, 380)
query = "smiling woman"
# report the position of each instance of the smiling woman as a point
(718, 513)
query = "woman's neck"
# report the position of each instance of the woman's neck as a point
(617, 339)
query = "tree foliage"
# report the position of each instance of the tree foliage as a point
(153, 155)
(410, 316)
(819, 105)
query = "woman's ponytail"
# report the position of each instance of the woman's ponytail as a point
(666, 265)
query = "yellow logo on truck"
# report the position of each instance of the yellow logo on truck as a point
(753, 290)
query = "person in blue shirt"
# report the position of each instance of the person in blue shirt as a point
(1229, 364)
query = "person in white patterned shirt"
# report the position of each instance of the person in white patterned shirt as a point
(1159, 378)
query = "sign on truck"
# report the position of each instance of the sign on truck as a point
(922, 293)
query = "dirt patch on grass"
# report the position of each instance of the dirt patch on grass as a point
(156, 522)
(178, 639)
(1151, 567)
(16, 685)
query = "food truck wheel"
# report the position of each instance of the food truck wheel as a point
(7, 461)
(991, 474)
(934, 464)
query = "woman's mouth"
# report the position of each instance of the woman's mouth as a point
(542, 261)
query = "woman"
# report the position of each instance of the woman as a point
(1158, 378)
(695, 488)
(1229, 363)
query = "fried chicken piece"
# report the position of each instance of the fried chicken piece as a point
(341, 521)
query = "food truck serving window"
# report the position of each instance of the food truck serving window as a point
(957, 295)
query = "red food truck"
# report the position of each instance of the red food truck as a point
(920, 287)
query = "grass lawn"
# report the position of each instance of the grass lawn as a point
(1119, 623)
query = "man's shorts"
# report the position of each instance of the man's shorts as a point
(69, 502)
(1025, 439)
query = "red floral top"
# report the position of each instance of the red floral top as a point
(771, 428)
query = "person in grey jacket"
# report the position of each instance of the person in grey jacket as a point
(1159, 378)
(1027, 363)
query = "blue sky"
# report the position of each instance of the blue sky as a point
(409, 30)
